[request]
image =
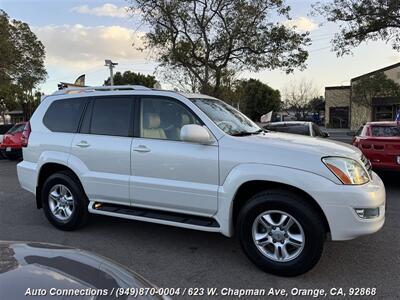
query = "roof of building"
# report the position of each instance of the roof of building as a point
(338, 87)
(377, 71)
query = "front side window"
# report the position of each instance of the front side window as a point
(163, 118)
(230, 120)
(112, 116)
(64, 115)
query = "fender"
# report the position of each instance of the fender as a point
(61, 158)
(55, 157)
(306, 181)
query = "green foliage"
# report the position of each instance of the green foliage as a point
(317, 104)
(362, 21)
(129, 77)
(377, 85)
(21, 62)
(257, 98)
(208, 38)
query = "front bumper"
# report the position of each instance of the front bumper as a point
(340, 207)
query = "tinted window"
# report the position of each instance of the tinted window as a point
(163, 118)
(317, 131)
(385, 131)
(290, 128)
(112, 116)
(273, 127)
(64, 115)
(17, 128)
(358, 132)
(299, 129)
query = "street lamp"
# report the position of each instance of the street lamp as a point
(111, 65)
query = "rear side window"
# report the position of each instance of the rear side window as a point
(386, 131)
(112, 116)
(298, 129)
(16, 129)
(64, 115)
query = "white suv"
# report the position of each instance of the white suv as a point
(193, 161)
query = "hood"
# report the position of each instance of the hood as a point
(286, 150)
(300, 143)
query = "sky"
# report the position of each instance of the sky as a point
(79, 35)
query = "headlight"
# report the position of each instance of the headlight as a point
(347, 170)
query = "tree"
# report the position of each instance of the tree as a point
(22, 65)
(257, 98)
(365, 89)
(129, 77)
(298, 97)
(317, 104)
(362, 21)
(211, 38)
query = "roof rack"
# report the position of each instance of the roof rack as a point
(88, 89)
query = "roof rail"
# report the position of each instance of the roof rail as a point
(87, 89)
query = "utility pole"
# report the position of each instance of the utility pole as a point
(111, 65)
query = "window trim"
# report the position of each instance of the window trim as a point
(89, 110)
(138, 116)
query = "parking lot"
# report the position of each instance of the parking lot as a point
(174, 257)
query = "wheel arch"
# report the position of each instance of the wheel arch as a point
(248, 189)
(47, 170)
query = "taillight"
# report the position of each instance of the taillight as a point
(25, 135)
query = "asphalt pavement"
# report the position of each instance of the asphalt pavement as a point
(174, 257)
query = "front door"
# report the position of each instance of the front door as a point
(102, 149)
(167, 173)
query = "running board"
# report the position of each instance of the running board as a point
(154, 216)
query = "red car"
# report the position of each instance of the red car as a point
(380, 143)
(11, 147)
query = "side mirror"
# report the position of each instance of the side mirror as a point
(195, 134)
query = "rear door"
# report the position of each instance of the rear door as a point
(102, 148)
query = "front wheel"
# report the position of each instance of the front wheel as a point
(281, 233)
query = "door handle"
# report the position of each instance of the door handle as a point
(83, 144)
(141, 148)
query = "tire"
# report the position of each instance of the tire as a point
(269, 254)
(67, 183)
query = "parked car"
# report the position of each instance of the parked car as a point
(11, 146)
(3, 129)
(380, 143)
(58, 272)
(297, 127)
(193, 161)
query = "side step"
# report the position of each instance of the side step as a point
(155, 216)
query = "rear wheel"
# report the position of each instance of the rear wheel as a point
(64, 201)
(281, 233)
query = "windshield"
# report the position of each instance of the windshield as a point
(230, 120)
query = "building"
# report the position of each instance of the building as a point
(342, 112)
